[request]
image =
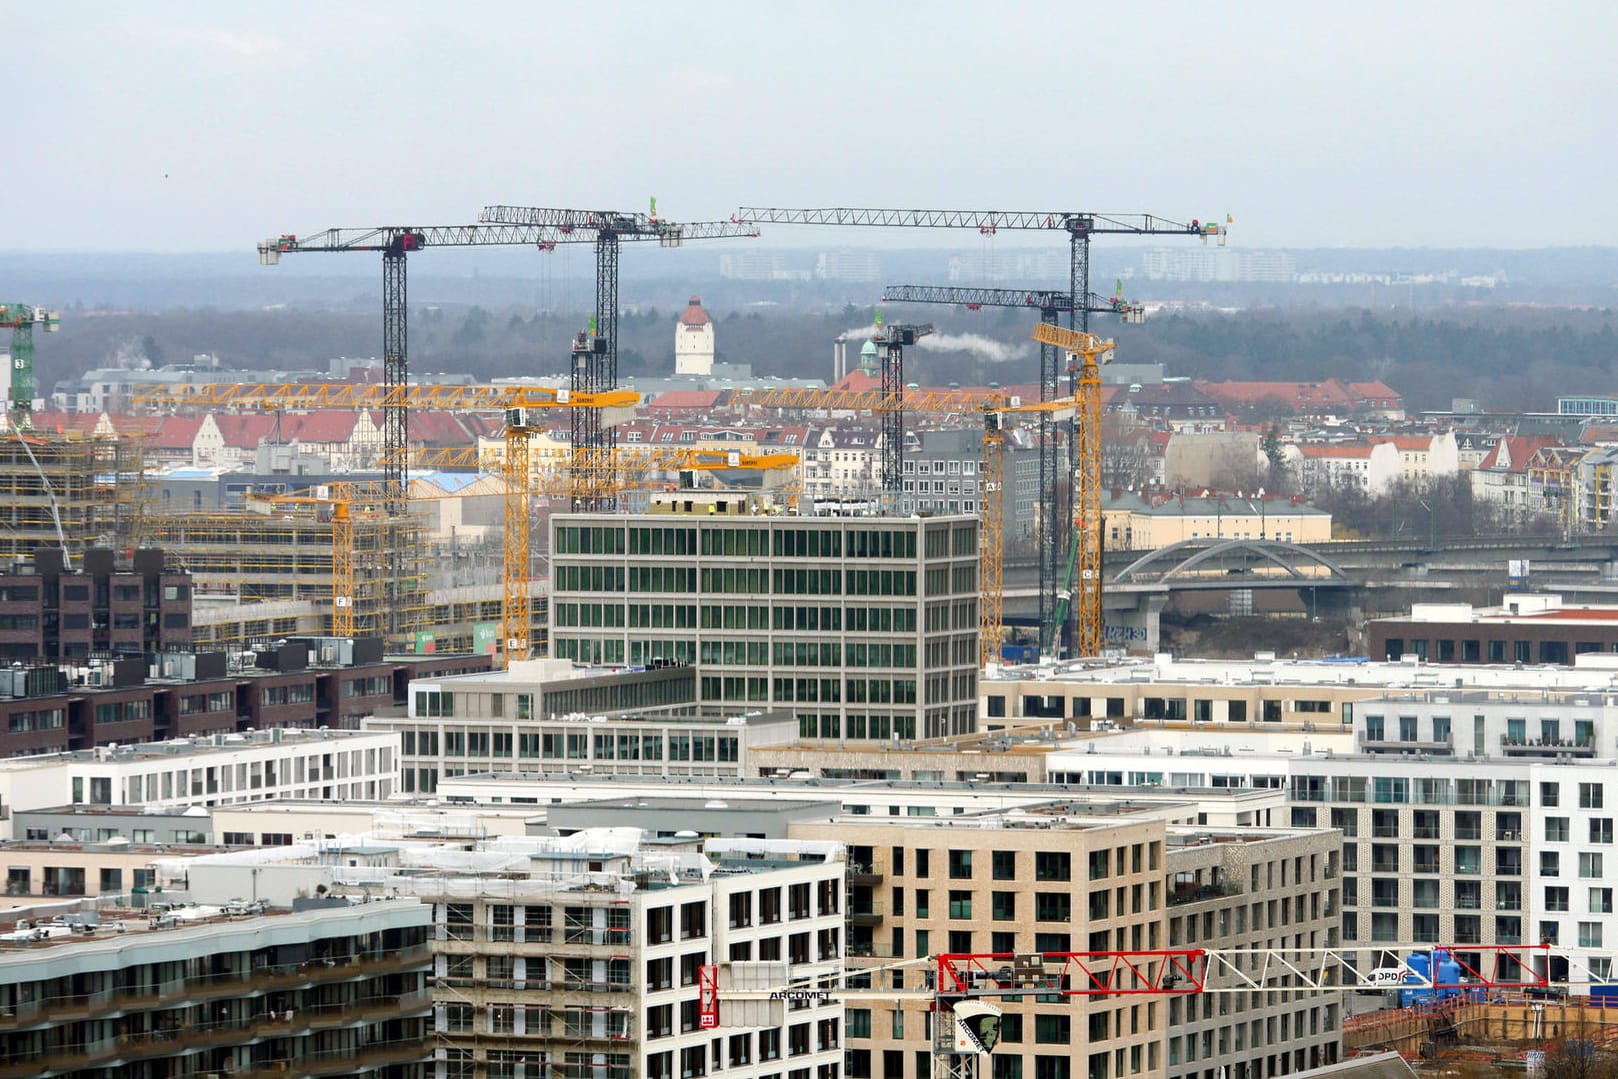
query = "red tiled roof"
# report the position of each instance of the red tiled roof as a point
(244, 431)
(691, 399)
(1519, 450)
(437, 428)
(1375, 391)
(1339, 452)
(694, 315)
(177, 432)
(1405, 443)
(323, 425)
(47, 421)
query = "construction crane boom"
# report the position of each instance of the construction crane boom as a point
(312, 395)
(595, 356)
(986, 221)
(1080, 227)
(1053, 300)
(396, 242)
(21, 318)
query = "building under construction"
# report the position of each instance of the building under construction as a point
(285, 558)
(71, 492)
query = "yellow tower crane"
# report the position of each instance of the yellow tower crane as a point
(1082, 590)
(991, 608)
(996, 409)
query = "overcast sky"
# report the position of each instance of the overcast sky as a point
(206, 126)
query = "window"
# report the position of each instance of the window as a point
(960, 864)
(1556, 829)
(1004, 906)
(1601, 829)
(1052, 1029)
(1591, 796)
(1054, 866)
(1589, 934)
(1600, 900)
(1556, 898)
(1590, 865)
(1005, 865)
(960, 904)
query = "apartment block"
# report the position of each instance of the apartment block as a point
(1253, 890)
(51, 611)
(582, 956)
(863, 628)
(206, 771)
(335, 990)
(929, 887)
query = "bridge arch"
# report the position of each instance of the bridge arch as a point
(1180, 560)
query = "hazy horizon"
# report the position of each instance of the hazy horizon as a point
(176, 127)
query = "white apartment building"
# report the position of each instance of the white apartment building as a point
(541, 716)
(583, 955)
(864, 628)
(207, 770)
(1468, 817)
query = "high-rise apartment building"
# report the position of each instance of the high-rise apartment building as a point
(863, 627)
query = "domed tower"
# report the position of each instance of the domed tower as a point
(693, 341)
(869, 362)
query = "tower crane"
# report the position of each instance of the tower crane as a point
(396, 242)
(595, 358)
(895, 339)
(1080, 227)
(1055, 499)
(991, 609)
(1085, 553)
(964, 989)
(21, 318)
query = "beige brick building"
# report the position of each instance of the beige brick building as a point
(1089, 881)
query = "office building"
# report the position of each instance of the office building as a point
(863, 628)
(543, 716)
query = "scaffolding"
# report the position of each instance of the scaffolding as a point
(51, 494)
(247, 557)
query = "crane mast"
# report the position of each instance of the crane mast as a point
(1080, 227)
(21, 318)
(1055, 507)
(595, 358)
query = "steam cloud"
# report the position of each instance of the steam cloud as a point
(991, 350)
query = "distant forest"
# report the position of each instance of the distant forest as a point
(1506, 357)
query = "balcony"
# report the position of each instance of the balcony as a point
(1195, 893)
(866, 914)
(863, 877)
(1547, 747)
(55, 1010)
(200, 1037)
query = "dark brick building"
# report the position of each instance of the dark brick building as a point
(51, 614)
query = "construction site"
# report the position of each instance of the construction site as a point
(1506, 1034)
(362, 558)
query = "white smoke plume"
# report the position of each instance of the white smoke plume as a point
(988, 348)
